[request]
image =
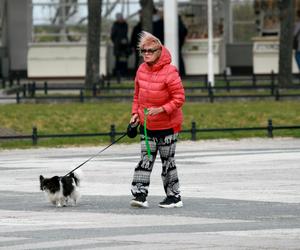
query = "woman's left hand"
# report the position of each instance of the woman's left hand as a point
(155, 110)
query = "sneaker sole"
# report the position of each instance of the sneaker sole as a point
(139, 204)
(173, 205)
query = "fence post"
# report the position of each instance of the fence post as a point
(118, 77)
(18, 79)
(29, 89)
(24, 90)
(226, 79)
(224, 75)
(112, 133)
(277, 95)
(193, 132)
(228, 86)
(18, 97)
(108, 81)
(210, 93)
(94, 90)
(206, 81)
(33, 89)
(34, 136)
(11, 81)
(270, 128)
(46, 88)
(3, 83)
(272, 82)
(102, 81)
(254, 80)
(81, 97)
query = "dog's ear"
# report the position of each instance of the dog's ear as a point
(41, 182)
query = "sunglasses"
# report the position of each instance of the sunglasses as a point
(149, 51)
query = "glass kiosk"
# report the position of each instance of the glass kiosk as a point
(194, 54)
(266, 46)
(195, 48)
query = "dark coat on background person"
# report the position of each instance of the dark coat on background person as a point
(119, 37)
(158, 31)
(182, 33)
(121, 47)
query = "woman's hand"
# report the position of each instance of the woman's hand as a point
(155, 110)
(134, 119)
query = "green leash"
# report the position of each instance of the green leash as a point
(145, 132)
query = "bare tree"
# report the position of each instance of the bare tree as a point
(66, 9)
(287, 16)
(147, 12)
(93, 42)
(110, 7)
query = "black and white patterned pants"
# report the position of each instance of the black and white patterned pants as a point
(166, 146)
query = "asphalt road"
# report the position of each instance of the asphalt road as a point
(237, 195)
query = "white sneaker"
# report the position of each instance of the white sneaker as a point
(139, 201)
(171, 202)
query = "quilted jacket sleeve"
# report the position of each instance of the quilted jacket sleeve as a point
(175, 90)
(135, 104)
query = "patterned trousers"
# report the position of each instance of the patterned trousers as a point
(166, 146)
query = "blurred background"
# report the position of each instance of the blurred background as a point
(46, 38)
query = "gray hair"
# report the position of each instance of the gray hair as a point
(146, 38)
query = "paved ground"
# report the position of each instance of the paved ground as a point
(237, 195)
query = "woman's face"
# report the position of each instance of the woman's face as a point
(151, 53)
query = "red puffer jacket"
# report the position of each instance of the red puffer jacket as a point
(159, 86)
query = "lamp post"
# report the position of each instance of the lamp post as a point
(171, 29)
(210, 54)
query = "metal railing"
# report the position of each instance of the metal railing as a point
(198, 89)
(193, 131)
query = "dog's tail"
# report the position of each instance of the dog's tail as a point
(77, 176)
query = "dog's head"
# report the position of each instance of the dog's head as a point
(49, 184)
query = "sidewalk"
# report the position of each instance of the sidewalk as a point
(237, 195)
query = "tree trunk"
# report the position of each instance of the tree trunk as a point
(287, 16)
(93, 43)
(147, 12)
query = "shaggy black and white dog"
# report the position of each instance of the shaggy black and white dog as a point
(61, 190)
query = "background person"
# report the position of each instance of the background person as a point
(158, 24)
(159, 90)
(158, 31)
(182, 33)
(121, 45)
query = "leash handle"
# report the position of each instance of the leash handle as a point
(145, 133)
(96, 154)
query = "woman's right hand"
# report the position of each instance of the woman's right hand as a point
(135, 119)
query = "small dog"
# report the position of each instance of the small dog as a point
(61, 189)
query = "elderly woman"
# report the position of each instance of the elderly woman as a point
(158, 98)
